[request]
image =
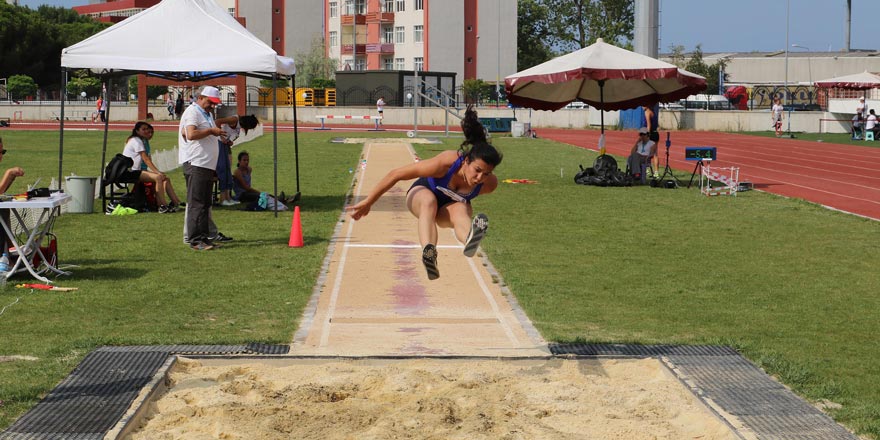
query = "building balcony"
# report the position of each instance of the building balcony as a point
(382, 48)
(353, 19)
(347, 49)
(380, 17)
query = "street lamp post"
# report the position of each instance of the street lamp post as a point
(785, 83)
(809, 60)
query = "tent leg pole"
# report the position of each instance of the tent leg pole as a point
(61, 125)
(296, 138)
(106, 86)
(275, 137)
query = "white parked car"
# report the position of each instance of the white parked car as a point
(577, 104)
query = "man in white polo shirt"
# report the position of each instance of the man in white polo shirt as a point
(198, 152)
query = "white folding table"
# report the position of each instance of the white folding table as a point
(49, 209)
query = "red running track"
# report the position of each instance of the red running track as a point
(842, 177)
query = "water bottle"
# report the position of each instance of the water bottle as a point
(4, 263)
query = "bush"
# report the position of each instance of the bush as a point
(20, 86)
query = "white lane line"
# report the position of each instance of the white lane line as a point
(495, 309)
(401, 246)
(337, 283)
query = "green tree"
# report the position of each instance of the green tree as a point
(696, 64)
(31, 41)
(21, 86)
(533, 34)
(80, 81)
(474, 90)
(153, 92)
(314, 64)
(576, 24)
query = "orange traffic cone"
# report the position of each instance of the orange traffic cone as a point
(296, 232)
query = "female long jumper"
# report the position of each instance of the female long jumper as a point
(445, 184)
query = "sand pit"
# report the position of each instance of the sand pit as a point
(427, 399)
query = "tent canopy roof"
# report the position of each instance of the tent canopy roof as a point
(857, 81)
(180, 40)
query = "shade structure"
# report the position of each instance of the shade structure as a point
(191, 38)
(181, 40)
(605, 77)
(859, 81)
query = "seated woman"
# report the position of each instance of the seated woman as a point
(241, 177)
(5, 182)
(135, 148)
(232, 126)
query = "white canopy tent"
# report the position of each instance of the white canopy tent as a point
(181, 40)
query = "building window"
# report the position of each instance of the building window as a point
(361, 6)
(419, 63)
(419, 5)
(398, 64)
(360, 64)
(388, 63)
(231, 11)
(388, 6)
(387, 35)
(349, 7)
(334, 9)
(417, 33)
(401, 5)
(401, 35)
(334, 38)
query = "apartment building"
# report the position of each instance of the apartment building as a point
(472, 38)
(114, 11)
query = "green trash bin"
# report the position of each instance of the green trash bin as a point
(82, 193)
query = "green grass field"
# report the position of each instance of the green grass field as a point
(791, 285)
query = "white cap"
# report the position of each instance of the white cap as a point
(211, 93)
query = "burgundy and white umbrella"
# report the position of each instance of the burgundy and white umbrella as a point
(605, 77)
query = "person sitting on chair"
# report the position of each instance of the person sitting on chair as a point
(641, 154)
(5, 182)
(856, 128)
(136, 150)
(872, 125)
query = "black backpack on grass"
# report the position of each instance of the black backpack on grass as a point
(603, 173)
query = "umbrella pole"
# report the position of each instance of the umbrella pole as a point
(602, 117)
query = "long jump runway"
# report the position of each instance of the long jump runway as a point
(377, 300)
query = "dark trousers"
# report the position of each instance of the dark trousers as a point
(199, 182)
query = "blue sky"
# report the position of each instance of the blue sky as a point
(740, 26)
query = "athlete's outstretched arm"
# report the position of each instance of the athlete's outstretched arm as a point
(433, 167)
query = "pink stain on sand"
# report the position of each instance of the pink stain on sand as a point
(410, 296)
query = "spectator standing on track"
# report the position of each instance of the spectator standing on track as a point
(380, 107)
(776, 113)
(178, 106)
(651, 122)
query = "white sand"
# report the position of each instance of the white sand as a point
(429, 399)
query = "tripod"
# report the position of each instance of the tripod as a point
(698, 166)
(667, 170)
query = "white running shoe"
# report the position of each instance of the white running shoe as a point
(479, 226)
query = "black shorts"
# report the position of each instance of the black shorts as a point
(654, 136)
(130, 176)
